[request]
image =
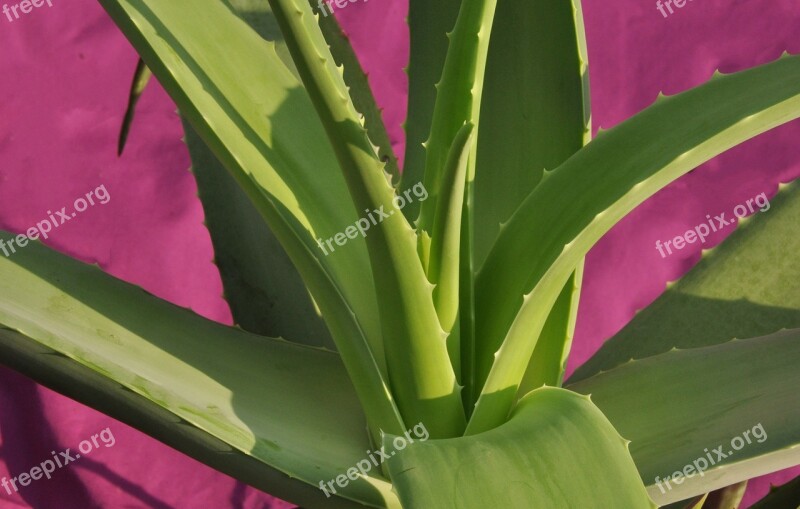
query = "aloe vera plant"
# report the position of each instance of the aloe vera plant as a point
(453, 306)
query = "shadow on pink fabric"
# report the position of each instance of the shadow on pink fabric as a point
(65, 75)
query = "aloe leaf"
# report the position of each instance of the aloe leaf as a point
(458, 96)
(443, 268)
(754, 292)
(582, 199)
(780, 497)
(266, 294)
(535, 113)
(458, 102)
(465, 325)
(684, 405)
(141, 77)
(549, 359)
(428, 25)
(244, 404)
(360, 91)
(420, 372)
(557, 450)
(535, 109)
(263, 288)
(255, 116)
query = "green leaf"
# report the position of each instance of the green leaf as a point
(781, 497)
(458, 102)
(678, 407)
(443, 261)
(557, 450)
(266, 294)
(535, 108)
(458, 96)
(443, 267)
(141, 77)
(582, 199)
(549, 359)
(428, 24)
(258, 120)
(420, 372)
(275, 414)
(534, 115)
(262, 286)
(745, 287)
(360, 91)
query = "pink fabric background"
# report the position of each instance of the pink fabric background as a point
(65, 73)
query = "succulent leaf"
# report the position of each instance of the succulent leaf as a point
(595, 188)
(255, 116)
(556, 450)
(714, 395)
(419, 368)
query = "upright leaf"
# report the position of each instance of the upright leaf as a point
(443, 268)
(360, 91)
(428, 26)
(416, 353)
(535, 109)
(534, 114)
(458, 96)
(141, 77)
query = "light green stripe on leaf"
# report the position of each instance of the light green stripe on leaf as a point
(257, 119)
(422, 378)
(276, 414)
(582, 199)
(679, 406)
(745, 287)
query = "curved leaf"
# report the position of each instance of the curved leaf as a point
(275, 414)
(576, 204)
(557, 450)
(745, 287)
(258, 120)
(264, 290)
(419, 369)
(739, 398)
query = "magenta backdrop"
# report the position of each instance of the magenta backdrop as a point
(65, 73)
